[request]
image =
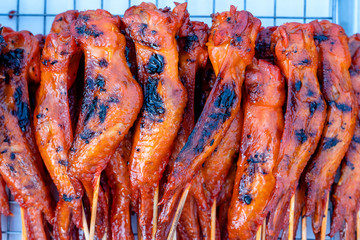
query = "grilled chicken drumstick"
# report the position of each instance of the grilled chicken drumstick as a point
(53, 128)
(20, 166)
(231, 48)
(260, 143)
(153, 32)
(346, 194)
(119, 181)
(193, 56)
(111, 102)
(334, 78)
(296, 55)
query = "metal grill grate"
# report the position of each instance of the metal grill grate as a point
(37, 16)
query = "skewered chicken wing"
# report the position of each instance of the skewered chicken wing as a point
(346, 192)
(296, 55)
(193, 56)
(111, 102)
(333, 73)
(231, 48)
(265, 96)
(119, 181)
(53, 128)
(20, 165)
(153, 32)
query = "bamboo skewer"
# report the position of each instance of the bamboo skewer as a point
(94, 208)
(213, 221)
(358, 225)
(258, 233)
(23, 228)
(291, 218)
(178, 213)
(324, 220)
(263, 230)
(85, 225)
(155, 212)
(303, 226)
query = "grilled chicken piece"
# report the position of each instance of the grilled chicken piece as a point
(260, 143)
(263, 44)
(111, 102)
(153, 32)
(296, 55)
(231, 49)
(346, 194)
(193, 56)
(4, 199)
(21, 166)
(53, 128)
(334, 78)
(119, 181)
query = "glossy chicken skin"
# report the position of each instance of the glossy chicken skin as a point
(117, 173)
(346, 193)
(263, 44)
(334, 77)
(260, 143)
(111, 102)
(53, 128)
(193, 56)
(231, 48)
(20, 163)
(296, 55)
(153, 32)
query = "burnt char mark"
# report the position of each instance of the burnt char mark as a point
(84, 30)
(320, 38)
(22, 111)
(356, 139)
(155, 64)
(6, 78)
(12, 156)
(246, 198)
(304, 62)
(91, 110)
(54, 62)
(102, 112)
(12, 169)
(343, 107)
(189, 41)
(330, 142)
(100, 82)
(298, 85)
(3, 151)
(142, 29)
(350, 164)
(313, 108)
(63, 162)
(59, 149)
(66, 198)
(223, 106)
(86, 135)
(153, 103)
(13, 60)
(301, 136)
(127, 52)
(45, 62)
(103, 63)
(258, 158)
(7, 139)
(40, 115)
(84, 17)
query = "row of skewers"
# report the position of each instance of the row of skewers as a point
(231, 132)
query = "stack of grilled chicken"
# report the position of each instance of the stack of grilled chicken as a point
(144, 113)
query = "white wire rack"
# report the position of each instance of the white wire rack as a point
(37, 16)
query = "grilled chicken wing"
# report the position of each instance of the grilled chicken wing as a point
(53, 128)
(231, 48)
(296, 55)
(111, 102)
(193, 56)
(334, 77)
(21, 167)
(119, 181)
(260, 143)
(346, 192)
(153, 32)
(263, 44)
